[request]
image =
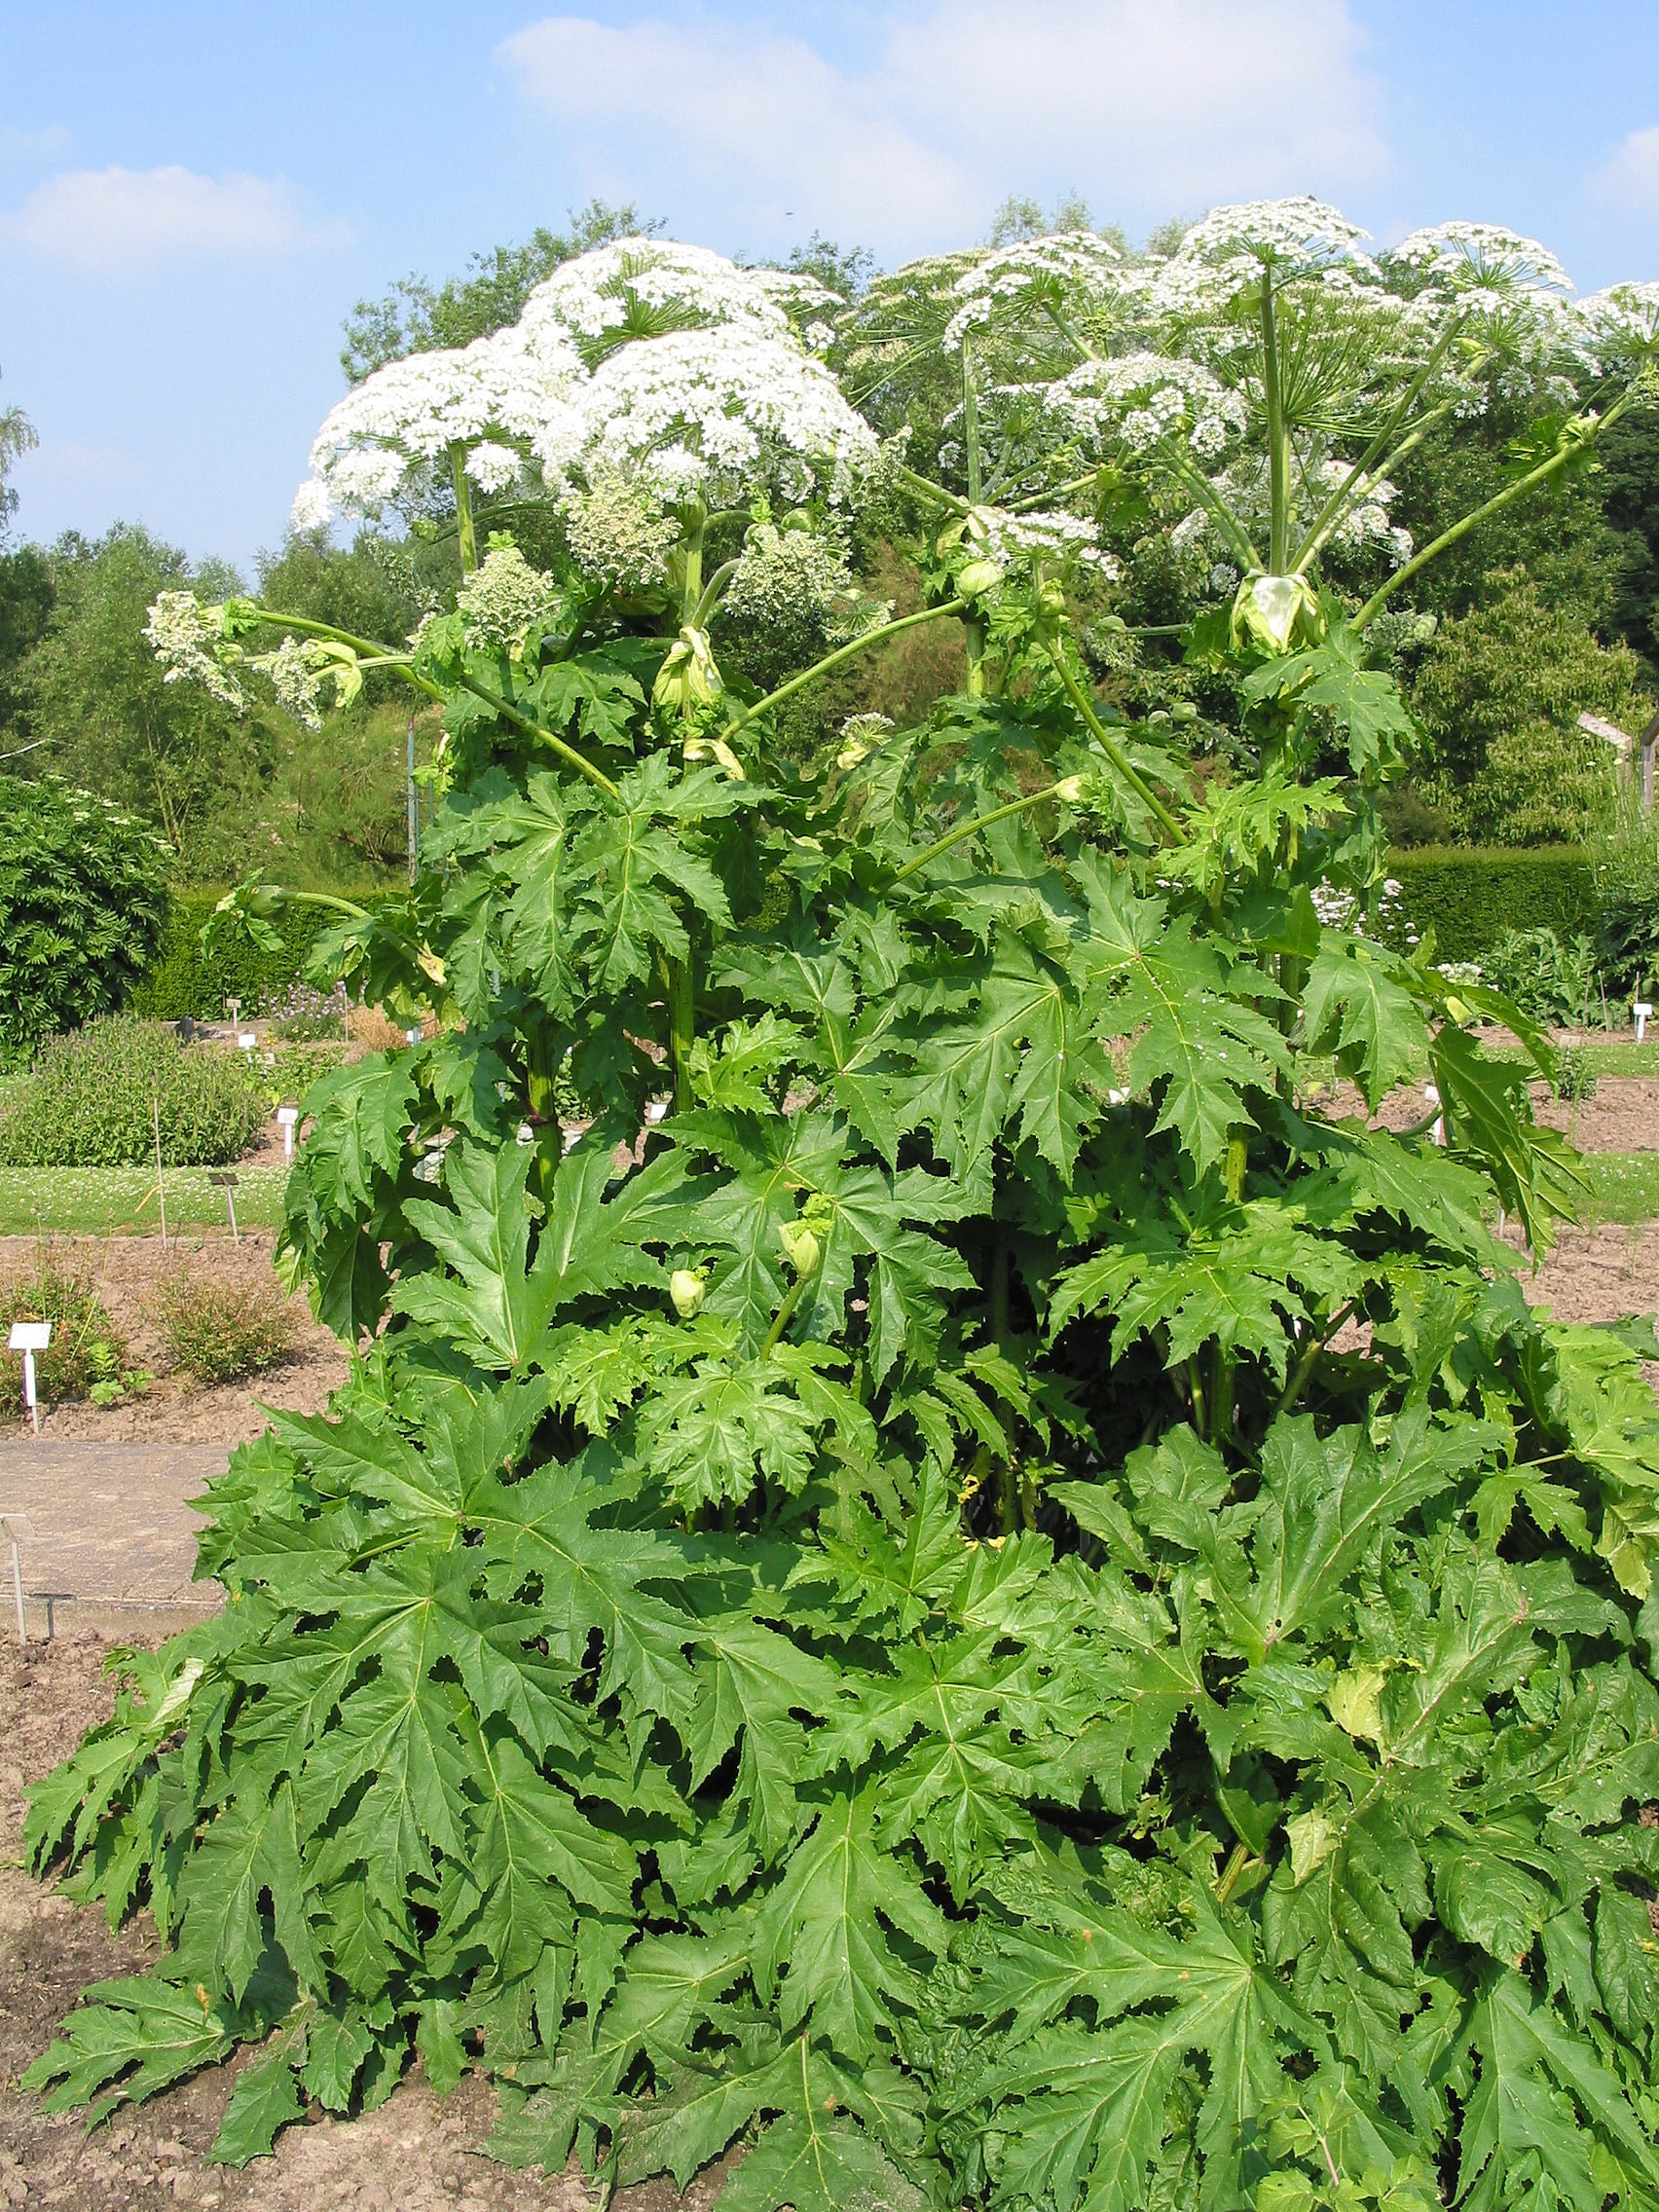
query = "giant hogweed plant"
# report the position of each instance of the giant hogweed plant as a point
(964, 1585)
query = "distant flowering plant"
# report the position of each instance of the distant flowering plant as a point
(1263, 381)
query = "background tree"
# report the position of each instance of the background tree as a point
(92, 690)
(416, 316)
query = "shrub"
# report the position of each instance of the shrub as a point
(1627, 883)
(186, 978)
(1513, 664)
(86, 1350)
(83, 899)
(225, 1332)
(96, 1099)
(1538, 785)
(1551, 982)
(1469, 895)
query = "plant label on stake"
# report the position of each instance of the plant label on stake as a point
(227, 1184)
(233, 1011)
(17, 1530)
(247, 1040)
(1642, 1010)
(288, 1118)
(28, 1338)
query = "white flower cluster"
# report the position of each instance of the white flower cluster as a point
(394, 434)
(618, 534)
(1225, 254)
(296, 674)
(1048, 536)
(188, 645)
(1343, 910)
(1622, 321)
(662, 362)
(1143, 398)
(1480, 257)
(604, 291)
(1033, 268)
(504, 596)
(713, 415)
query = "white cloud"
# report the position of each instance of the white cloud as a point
(1630, 179)
(1147, 106)
(47, 144)
(117, 219)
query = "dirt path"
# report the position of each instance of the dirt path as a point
(417, 2153)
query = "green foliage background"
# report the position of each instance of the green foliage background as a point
(83, 894)
(106, 1096)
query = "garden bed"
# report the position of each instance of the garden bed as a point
(129, 1273)
(416, 2152)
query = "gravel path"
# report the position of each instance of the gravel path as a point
(113, 1544)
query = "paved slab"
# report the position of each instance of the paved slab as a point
(114, 1546)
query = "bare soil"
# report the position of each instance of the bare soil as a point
(129, 1271)
(1622, 1115)
(1597, 1275)
(418, 2151)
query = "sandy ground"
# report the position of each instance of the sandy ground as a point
(417, 2152)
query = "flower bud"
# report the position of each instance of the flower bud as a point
(1070, 788)
(1268, 609)
(690, 676)
(687, 1287)
(977, 578)
(800, 1247)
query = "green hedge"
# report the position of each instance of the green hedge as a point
(1471, 894)
(184, 980)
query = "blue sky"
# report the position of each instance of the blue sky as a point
(193, 195)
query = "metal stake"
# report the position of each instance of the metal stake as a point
(227, 1184)
(161, 1188)
(18, 1527)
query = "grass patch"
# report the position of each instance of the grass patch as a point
(1624, 1186)
(1629, 1059)
(103, 1201)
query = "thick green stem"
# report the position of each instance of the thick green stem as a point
(1533, 477)
(711, 590)
(843, 653)
(691, 550)
(680, 995)
(1072, 337)
(1278, 441)
(326, 898)
(1233, 1872)
(1208, 496)
(1304, 1367)
(1137, 782)
(1408, 444)
(533, 728)
(786, 1312)
(542, 1078)
(463, 510)
(974, 630)
(382, 656)
(971, 827)
(1328, 514)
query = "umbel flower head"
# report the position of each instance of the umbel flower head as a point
(391, 439)
(642, 377)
